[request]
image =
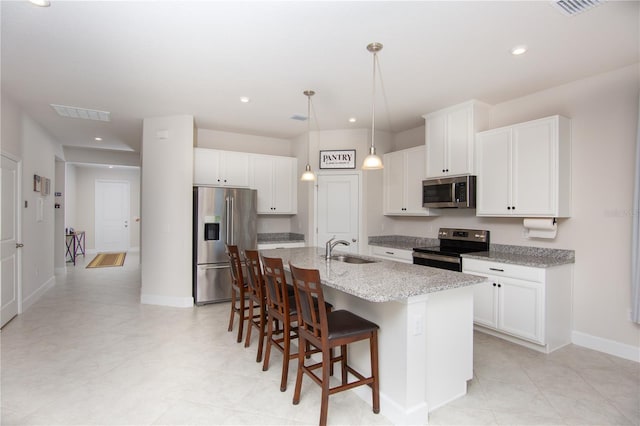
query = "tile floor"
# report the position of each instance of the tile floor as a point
(88, 353)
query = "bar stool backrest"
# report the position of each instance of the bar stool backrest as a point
(276, 285)
(237, 277)
(255, 280)
(307, 287)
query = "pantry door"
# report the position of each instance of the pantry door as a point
(112, 215)
(338, 209)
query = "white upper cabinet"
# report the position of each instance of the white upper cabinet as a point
(276, 180)
(525, 169)
(223, 168)
(449, 138)
(402, 189)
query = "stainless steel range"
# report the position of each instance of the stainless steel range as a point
(453, 243)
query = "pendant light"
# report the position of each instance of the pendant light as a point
(308, 174)
(373, 161)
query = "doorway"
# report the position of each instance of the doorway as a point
(112, 215)
(10, 259)
(338, 203)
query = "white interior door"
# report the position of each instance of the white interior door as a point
(338, 210)
(10, 256)
(112, 215)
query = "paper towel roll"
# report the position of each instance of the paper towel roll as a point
(540, 227)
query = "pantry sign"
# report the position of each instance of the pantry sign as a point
(342, 159)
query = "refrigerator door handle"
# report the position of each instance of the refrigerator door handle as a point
(222, 266)
(227, 213)
(231, 213)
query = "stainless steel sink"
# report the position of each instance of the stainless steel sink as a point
(351, 259)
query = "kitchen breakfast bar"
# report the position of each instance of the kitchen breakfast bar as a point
(425, 315)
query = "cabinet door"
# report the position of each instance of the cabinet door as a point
(459, 155)
(493, 166)
(436, 142)
(520, 309)
(393, 188)
(485, 297)
(285, 189)
(534, 172)
(415, 174)
(262, 180)
(235, 166)
(205, 166)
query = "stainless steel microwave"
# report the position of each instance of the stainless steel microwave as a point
(449, 192)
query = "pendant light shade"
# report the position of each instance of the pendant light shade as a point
(308, 174)
(373, 161)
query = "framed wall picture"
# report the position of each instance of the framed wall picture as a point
(37, 185)
(340, 159)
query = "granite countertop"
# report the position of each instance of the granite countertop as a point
(280, 237)
(525, 256)
(381, 281)
(517, 255)
(402, 242)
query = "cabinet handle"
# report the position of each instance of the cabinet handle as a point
(496, 269)
(390, 252)
(499, 285)
(508, 207)
(494, 284)
(513, 207)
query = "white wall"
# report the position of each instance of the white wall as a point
(84, 193)
(228, 141)
(59, 237)
(409, 138)
(101, 156)
(604, 114)
(27, 141)
(166, 207)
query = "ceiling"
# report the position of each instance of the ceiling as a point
(146, 59)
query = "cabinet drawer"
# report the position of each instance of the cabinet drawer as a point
(498, 269)
(399, 255)
(269, 246)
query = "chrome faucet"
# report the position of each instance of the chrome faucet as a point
(331, 244)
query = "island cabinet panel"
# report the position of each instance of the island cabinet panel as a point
(403, 174)
(449, 138)
(526, 305)
(220, 168)
(275, 179)
(525, 169)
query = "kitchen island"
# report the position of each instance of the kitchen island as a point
(425, 315)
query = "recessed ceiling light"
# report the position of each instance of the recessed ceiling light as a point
(352, 120)
(41, 3)
(519, 50)
(98, 138)
(245, 99)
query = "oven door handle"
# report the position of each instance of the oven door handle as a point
(437, 257)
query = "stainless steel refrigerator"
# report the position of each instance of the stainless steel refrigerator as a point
(221, 216)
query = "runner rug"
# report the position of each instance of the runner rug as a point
(103, 260)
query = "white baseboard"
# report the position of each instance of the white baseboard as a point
(176, 302)
(607, 346)
(28, 301)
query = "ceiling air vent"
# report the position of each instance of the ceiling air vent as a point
(299, 117)
(86, 114)
(575, 7)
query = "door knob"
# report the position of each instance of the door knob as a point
(353, 240)
(19, 245)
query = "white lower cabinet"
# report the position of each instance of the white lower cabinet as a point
(526, 305)
(389, 253)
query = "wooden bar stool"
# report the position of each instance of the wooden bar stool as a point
(327, 330)
(281, 307)
(238, 291)
(257, 300)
